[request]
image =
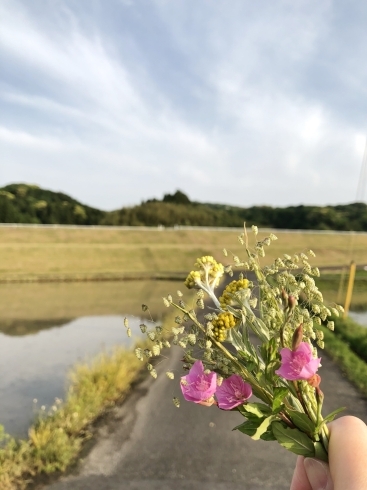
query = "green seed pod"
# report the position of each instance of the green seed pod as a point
(139, 354)
(156, 350)
(191, 338)
(151, 335)
(330, 326)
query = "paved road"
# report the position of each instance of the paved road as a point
(149, 444)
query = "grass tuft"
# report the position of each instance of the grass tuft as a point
(56, 439)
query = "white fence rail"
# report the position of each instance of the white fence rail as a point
(175, 228)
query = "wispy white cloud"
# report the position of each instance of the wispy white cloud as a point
(27, 140)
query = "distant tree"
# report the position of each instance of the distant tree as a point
(23, 203)
(178, 197)
(8, 213)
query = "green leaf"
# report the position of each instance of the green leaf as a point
(273, 365)
(333, 414)
(246, 339)
(268, 435)
(249, 416)
(249, 427)
(257, 326)
(293, 439)
(261, 379)
(258, 409)
(302, 421)
(279, 409)
(244, 355)
(279, 395)
(320, 452)
(236, 339)
(263, 427)
(246, 359)
(235, 311)
(269, 351)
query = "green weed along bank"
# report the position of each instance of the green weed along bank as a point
(55, 440)
(347, 347)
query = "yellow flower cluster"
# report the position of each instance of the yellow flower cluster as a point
(224, 322)
(192, 278)
(209, 266)
(233, 287)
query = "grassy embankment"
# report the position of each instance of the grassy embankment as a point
(347, 346)
(52, 254)
(31, 254)
(48, 254)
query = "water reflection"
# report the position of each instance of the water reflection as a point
(36, 366)
(359, 317)
(47, 328)
(17, 327)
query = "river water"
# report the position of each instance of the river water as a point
(46, 328)
(359, 317)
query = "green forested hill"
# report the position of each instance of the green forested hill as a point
(22, 203)
(176, 209)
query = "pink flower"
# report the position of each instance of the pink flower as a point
(298, 364)
(233, 392)
(199, 387)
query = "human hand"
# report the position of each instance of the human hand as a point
(347, 469)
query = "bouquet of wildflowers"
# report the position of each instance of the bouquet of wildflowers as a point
(254, 350)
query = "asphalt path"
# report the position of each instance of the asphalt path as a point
(147, 443)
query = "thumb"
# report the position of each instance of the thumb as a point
(318, 474)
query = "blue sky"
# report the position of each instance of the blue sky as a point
(238, 102)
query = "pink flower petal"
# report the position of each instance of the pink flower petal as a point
(304, 348)
(233, 392)
(286, 354)
(298, 364)
(197, 386)
(197, 369)
(310, 369)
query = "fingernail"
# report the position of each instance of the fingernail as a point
(317, 473)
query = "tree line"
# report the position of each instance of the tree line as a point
(22, 203)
